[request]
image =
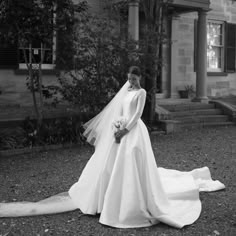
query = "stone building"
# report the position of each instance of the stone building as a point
(202, 53)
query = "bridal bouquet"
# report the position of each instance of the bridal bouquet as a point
(119, 124)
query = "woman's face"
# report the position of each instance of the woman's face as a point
(134, 80)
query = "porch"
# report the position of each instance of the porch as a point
(176, 8)
(180, 114)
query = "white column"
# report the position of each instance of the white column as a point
(133, 28)
(201, 66)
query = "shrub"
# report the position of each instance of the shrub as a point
(52, 131)
(101, 63)
(11, 138)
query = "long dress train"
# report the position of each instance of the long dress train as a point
(123, 183)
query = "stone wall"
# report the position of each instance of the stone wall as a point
(13, 88)
(224, 10)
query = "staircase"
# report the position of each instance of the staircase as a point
(189, 115)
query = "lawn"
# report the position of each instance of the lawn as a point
(36, 176)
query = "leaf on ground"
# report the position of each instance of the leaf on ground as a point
(216, 232)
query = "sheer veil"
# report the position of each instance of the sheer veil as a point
(99, 127)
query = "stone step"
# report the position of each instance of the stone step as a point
(202, 119)
(180, 126)
(196, 112)
(187, 107)
(172, 101)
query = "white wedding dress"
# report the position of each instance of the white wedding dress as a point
(123, 183)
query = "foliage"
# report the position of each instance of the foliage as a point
(187, 91)
(53, 131)
(103, 55)
(102, 59)
(68, 14)
(30, 20)
(32, 85)
(154, 37)
(190, 90)
(37, 21)
(11, 138)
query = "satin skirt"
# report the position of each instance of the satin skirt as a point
(123, 184)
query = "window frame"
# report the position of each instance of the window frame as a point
(45, 66)
(222, 47)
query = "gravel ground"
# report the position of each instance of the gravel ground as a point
(39, 175)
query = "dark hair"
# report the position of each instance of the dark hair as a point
(135, 70)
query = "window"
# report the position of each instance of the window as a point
(39, 51)
(55, 53)
(221, 47)
(215, 46)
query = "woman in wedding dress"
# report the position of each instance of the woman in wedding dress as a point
(121, 181)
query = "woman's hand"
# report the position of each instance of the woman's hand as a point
(119, 134)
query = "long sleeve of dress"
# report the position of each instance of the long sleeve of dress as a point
(139, 110)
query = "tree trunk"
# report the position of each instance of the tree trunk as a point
(153, 13)
(40, 86)
(30, 73)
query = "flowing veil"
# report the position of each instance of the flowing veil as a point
(99, 127)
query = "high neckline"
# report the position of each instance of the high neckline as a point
(131, 90)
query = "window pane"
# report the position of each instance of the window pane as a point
(214, 34)
(214, 57)
(48, 57)
(215, 46)
(36, 44)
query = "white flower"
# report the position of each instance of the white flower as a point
(119, 123)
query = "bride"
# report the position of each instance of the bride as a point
(121, 181)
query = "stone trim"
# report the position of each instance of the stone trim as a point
(217, 74)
